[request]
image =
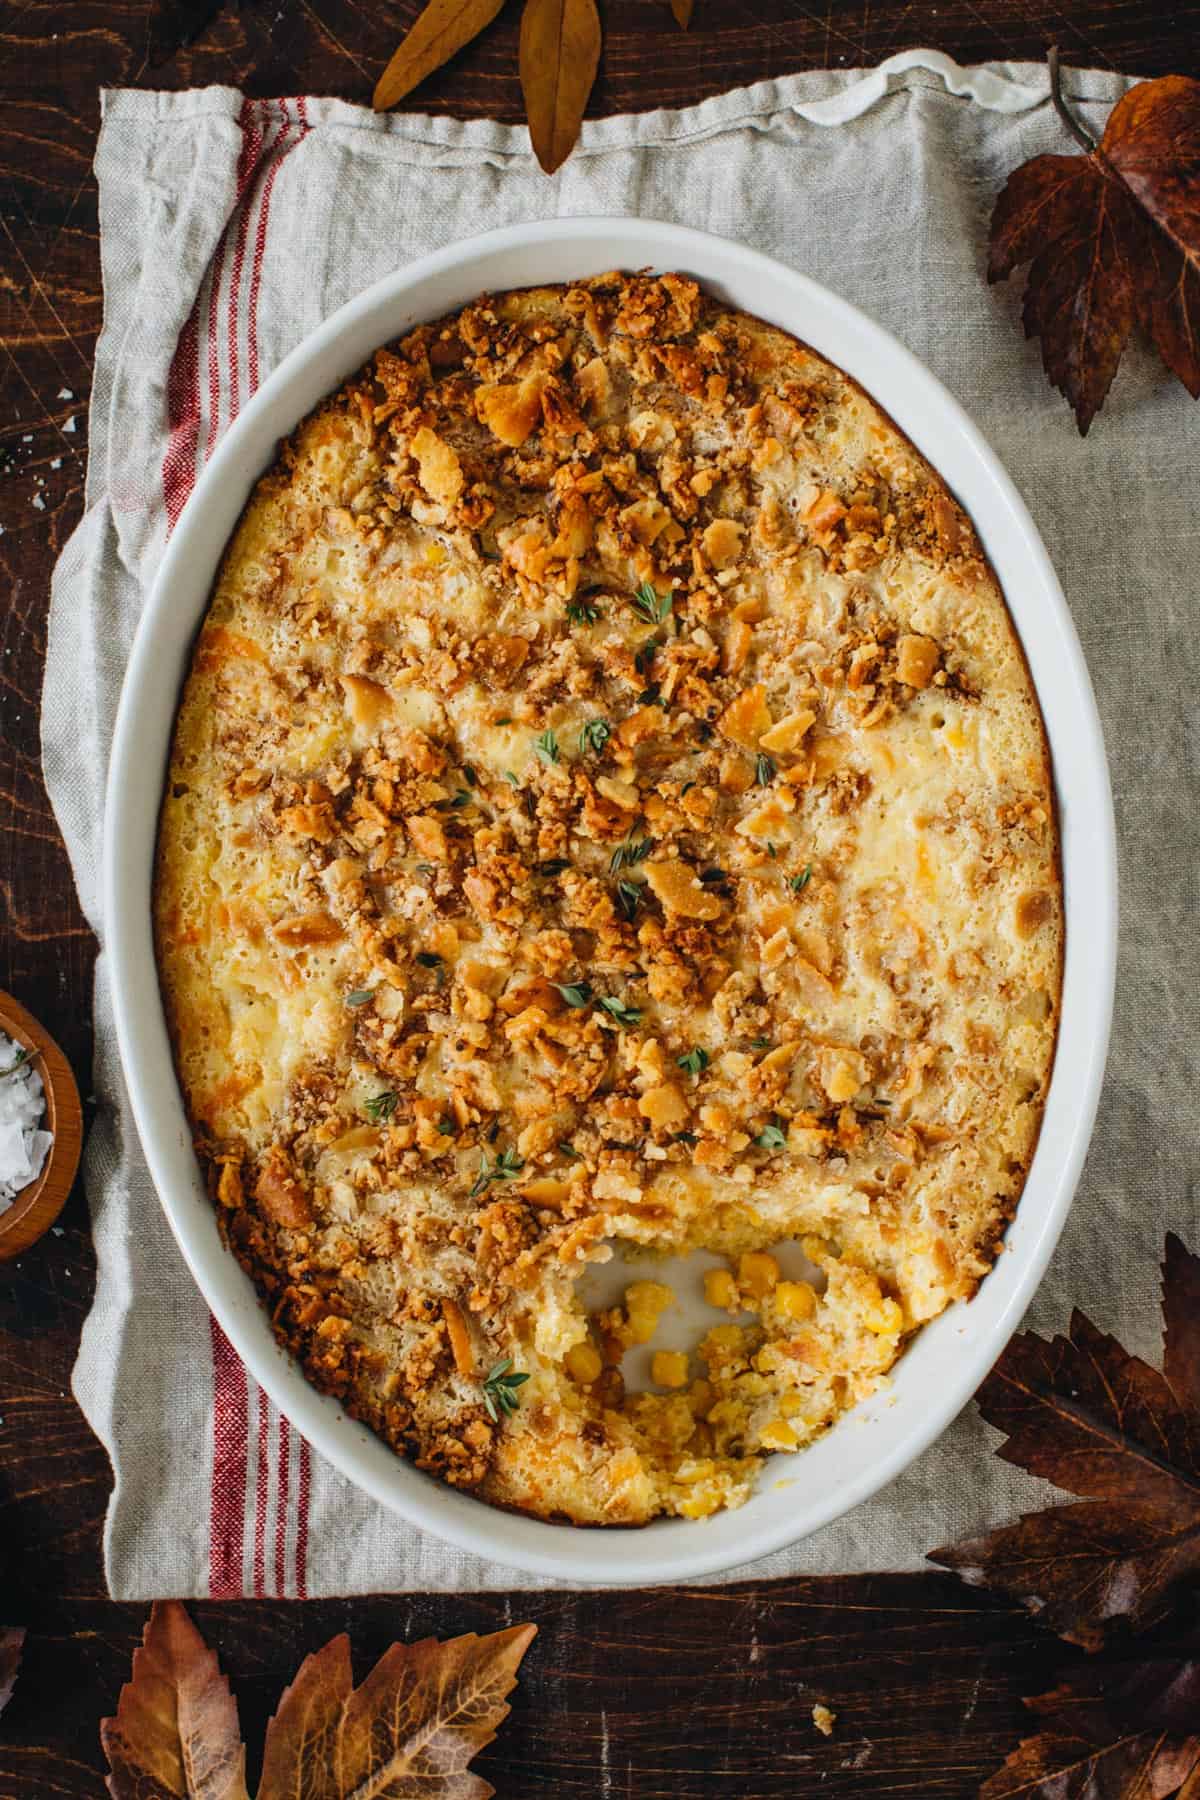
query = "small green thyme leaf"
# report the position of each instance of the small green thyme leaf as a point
(764, 769)
(447, 1127)
(629, 897)
(695, 1062)
(506, 1167)
(582, 612)
(575, 993)
(553, 865)
(770, 1138)
(547, 747)
(569, 1150)
(469, 775)
(629, 852)
(684, 1137)
(650, 605)
(594, 735)
(360, 997)
(798, 883)
(511, 778)
(644, 654)
(619, 1010)
(760, 1043)
(380, 1107)
(429, 959)
(424, 868)
(500, 1389)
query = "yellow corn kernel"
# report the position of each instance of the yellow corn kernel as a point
(796, 1300)
(791, 1404)
(757, 1273)
(724, 1337)
(701, 1395)
(697, 1469)
(669, 1368)
(584, 1364)
(886, 1317)
(698, 1506)
(644, 1301)
(778, 1435)
(720, 1289)
(815, 1248)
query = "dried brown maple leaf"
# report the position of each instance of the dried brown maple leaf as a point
(1084, 1414)
(176, 1730)
(408, 1733)
(1113, 240)
(1123, 1732)
(560, 52)
(12, 1639)
(411, 1730)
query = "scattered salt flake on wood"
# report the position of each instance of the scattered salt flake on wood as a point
(70, 423)
(65, 394)
(39, 503)
(56, 462)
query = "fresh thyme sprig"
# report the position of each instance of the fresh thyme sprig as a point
(380, 1107)
(507, 1167)
(500, 1389)
(619, 1010)
(629, 852)
(594, 736)
(575, 993)
(695, 1062)
(547, 747)
(650, 605)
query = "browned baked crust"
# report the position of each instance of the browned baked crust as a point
(608, 804)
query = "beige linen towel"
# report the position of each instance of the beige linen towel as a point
(229, 229)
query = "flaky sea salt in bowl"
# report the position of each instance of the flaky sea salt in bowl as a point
(24, 1144)
(41, 1128)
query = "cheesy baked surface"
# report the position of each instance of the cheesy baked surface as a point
(608, 807)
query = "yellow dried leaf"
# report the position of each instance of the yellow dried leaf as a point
(432, 39)
(560, 51)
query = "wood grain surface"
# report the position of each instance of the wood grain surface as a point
(683, 1693)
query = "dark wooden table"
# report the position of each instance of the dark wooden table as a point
(679, 1693)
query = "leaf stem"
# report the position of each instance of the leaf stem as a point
(1077, 131)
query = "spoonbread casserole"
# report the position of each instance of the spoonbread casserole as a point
(608, 809)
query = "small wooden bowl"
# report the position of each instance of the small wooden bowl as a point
(37, 1206)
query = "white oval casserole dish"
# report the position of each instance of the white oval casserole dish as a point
(940, 1371)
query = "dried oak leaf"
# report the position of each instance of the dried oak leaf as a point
(408, 1733)
(1113, 240)
(441, 29)
(12, 1639)
(411, 1730)
(559, 55)
(1121, 1732)
(176, 1730)
(1084, 1414)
